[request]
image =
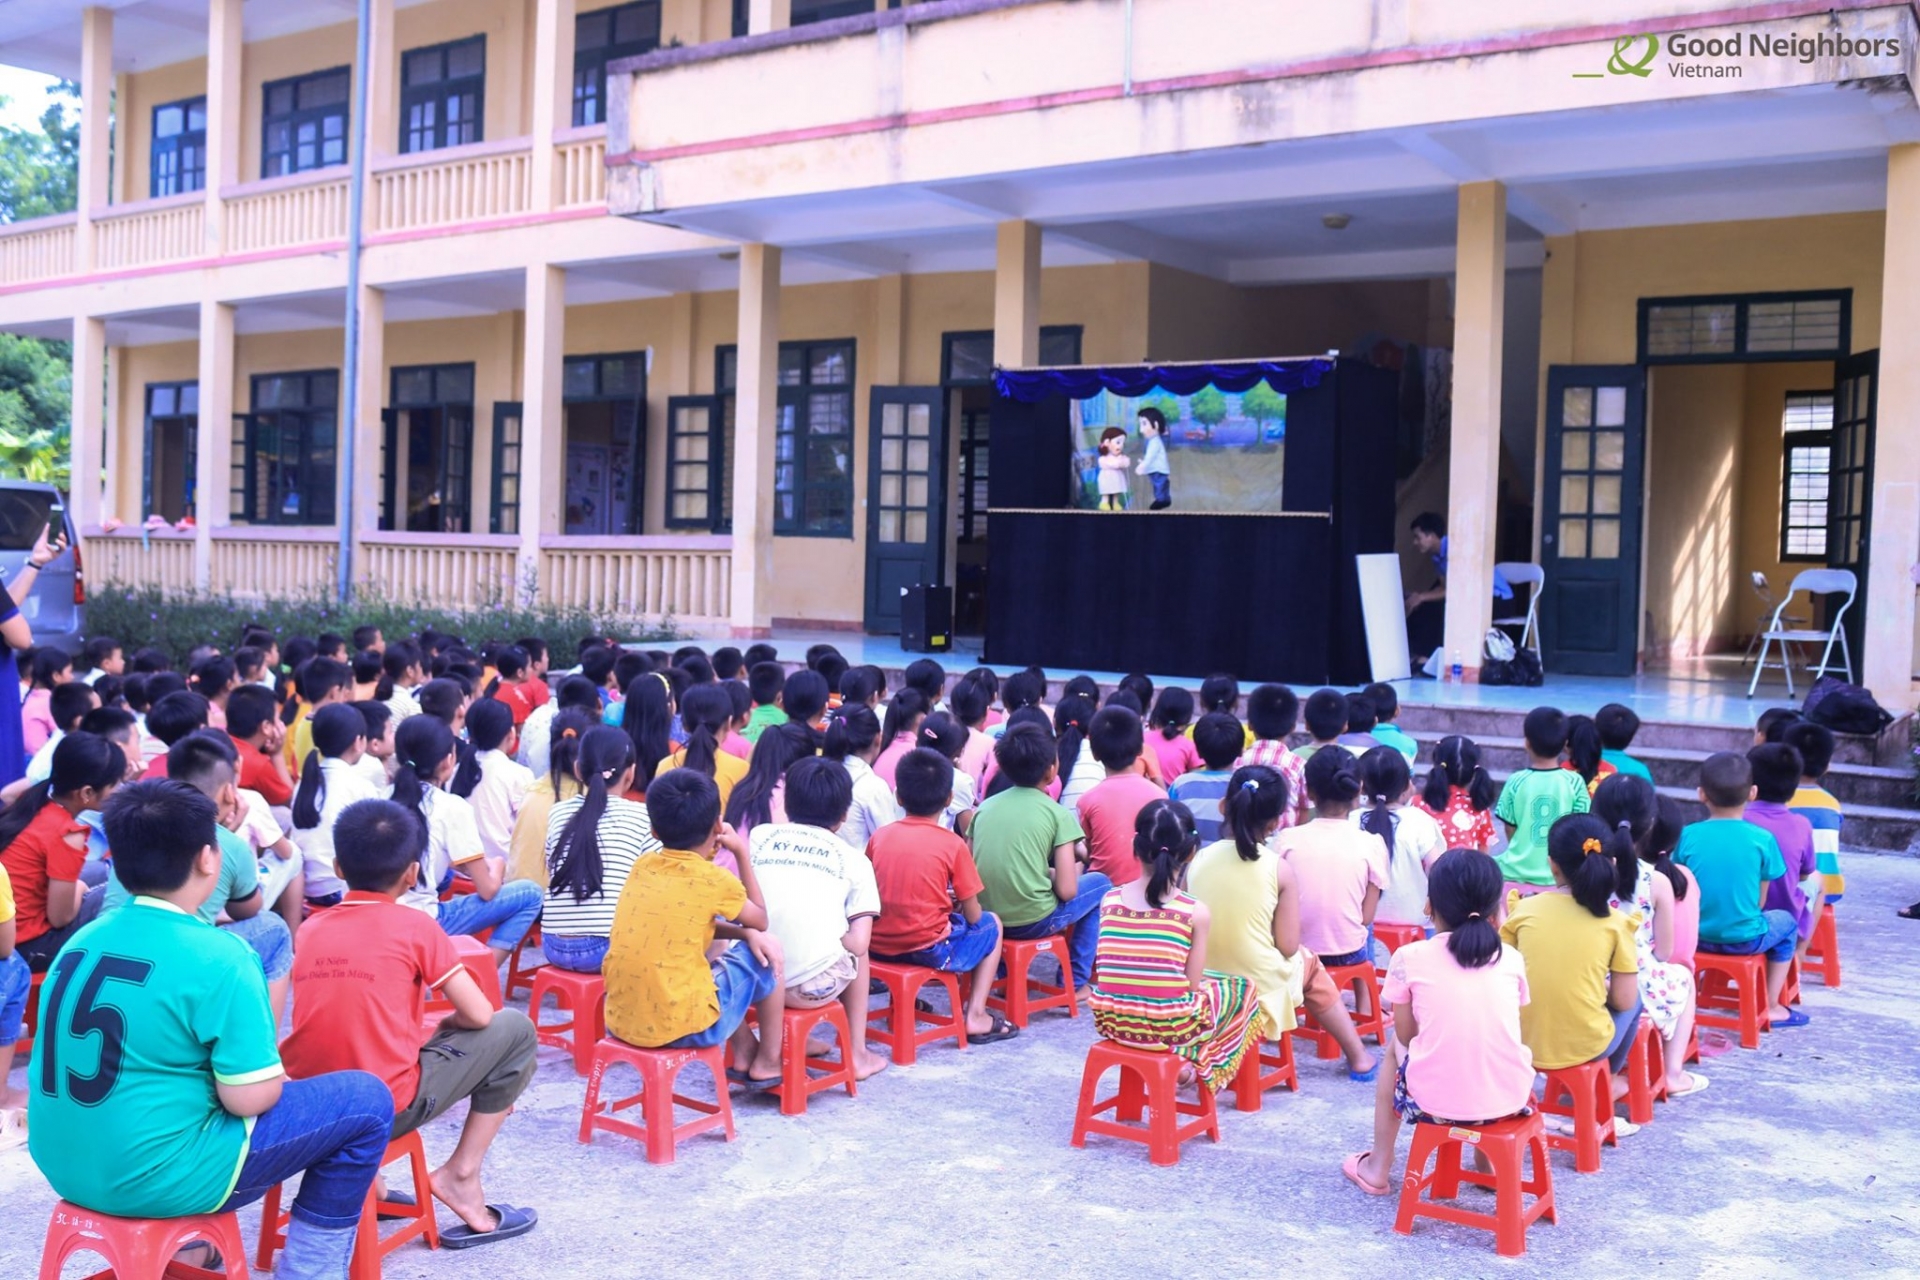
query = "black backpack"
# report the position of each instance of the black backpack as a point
(1844, 708)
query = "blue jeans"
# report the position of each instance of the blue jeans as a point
(510, 913)
(1086, 938)
(270, 939)
(964, 949)
(1779, 941)
(1162, 486)
(740, 981)
(16, 980)
(331, 1128)
(579, 954)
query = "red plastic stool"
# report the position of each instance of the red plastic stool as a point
(1263, 1069)
(1823, 950)
(140, 1248)
(518, 977)
(23, 1047)
(370, 1249)
(1019, 996)
(1395, 936)
(1363, 977)
(1149, 1086)
(1583, 1094)
(798, 1080)
(1646, 1072)
(1324, 1047)
(1790, 989)
(477, 957)
(582, 994)
(659, 1069)
(1506, 1143)
(903, 983)
(1732, 995)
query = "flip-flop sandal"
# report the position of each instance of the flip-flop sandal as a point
(512, 1222)
(400, 1198)
(1909, 913)
(1368, 1076)
(753, 1083)
(13, 1128)
(1002, 1030)
(1700, 1084)
(1794, 1018)
(1351, 1167)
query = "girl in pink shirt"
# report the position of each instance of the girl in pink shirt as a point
(968, 703)
(899, 731)
(1341, 868)
(1167, 733)
(1456, 1001)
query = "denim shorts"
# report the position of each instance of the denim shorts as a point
(740, 981)
(1362, 956)
(964, 949)
(1779, 941)
(574, 953)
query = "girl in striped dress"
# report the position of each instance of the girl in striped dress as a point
(1151, 987)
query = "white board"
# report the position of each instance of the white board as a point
(1383, 607)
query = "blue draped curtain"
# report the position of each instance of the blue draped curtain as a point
(1284, 376)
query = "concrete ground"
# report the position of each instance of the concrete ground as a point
(1798, 1160)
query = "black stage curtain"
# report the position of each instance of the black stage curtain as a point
(1169, 594)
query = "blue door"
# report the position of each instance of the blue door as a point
(1590, 537)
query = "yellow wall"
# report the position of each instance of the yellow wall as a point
(1692, 599)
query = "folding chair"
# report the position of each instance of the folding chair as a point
(1534, 578)
(1763, 588)
(1815, 582)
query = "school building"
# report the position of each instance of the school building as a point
(690, 307)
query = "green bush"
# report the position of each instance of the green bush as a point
(140, 616)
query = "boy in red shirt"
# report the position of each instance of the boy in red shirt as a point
(253, 722)
(361, 974)
(930, 892)
(1108, 810)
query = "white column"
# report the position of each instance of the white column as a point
(214, 472)
(1480, 284)
(369, 431)
(1016, 295)
(226, 109)
(96, 126)
(768, 15)
(1887, 666)
(87, 438)
(756, 404)
(552, 93)
(542, 422)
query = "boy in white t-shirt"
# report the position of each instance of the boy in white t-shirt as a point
(821, 899)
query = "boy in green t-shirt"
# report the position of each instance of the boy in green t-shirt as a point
(1617, 726)
(1030, 857)
(156, 1089)
(766, 685)
(1537, 797)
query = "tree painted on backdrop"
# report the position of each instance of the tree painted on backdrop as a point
(1263, 404)
(1209, 408)
(39, 176)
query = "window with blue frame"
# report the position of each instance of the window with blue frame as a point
(602, 37)
(443, 95)
(304, 125)
(178, 163)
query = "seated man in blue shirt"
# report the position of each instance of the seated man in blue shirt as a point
(1426, 610)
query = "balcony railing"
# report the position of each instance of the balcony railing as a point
(461, 184)
(687, 578)
(257, 564)
(448, 570)
(163, 560)
(582, 160)
(151, 231)
(41, 249)
(306, 208)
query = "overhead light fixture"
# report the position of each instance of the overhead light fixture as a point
(1335, 221)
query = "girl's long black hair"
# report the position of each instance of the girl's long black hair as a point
(81, 760)
(1164, 838)
(904, 709)
(851, 729)
(1587, 851)
(574, 864)
(1385, 778)
(1071, 720)
(489, 722)
(647, 718)
(420, 746)
(336, 727)
(1256, 798)
(563, 751)
(705, 713)
(752, 801)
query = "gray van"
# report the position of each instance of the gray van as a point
(57, 609)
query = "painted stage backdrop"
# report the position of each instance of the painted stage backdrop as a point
(1223, 452)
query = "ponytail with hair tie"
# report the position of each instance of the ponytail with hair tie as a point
(1577, 844)
(1164, 838)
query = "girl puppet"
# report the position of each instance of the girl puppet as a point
(1113, 469)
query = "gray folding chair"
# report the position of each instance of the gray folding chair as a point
(1815, 582)
(1534, 578)
(1763, 588)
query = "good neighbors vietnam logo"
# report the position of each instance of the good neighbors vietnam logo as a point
(1717, 57)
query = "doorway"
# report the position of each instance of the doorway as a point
(428, 481)
(605, 414)
(172, 454)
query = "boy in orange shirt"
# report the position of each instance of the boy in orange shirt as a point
(930, 892)
(361, 976)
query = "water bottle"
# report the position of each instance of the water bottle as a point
(1455, 672)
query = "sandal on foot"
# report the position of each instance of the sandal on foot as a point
(1002, 1030)
(1909, 913)
(509, 1222)
(1700, 1084)
(1351, 1167)
(1368, 1076)
(753, 1083)
(1794, 1018)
